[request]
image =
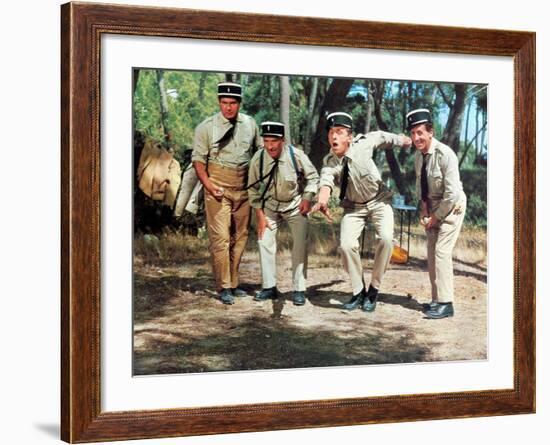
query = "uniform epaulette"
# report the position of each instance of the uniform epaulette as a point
(358, 137)
(326, 158)
(208, 119)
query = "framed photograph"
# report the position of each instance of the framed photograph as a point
(153, 346)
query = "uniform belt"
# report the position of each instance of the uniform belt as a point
(383, 193)
(240, 169)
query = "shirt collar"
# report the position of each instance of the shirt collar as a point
(432, 146)
(225, 121)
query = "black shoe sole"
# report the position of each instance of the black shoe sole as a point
(438, 317)
(266, 299)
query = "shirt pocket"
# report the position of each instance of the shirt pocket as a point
(290, 185)
(245, 138)
(436, 179)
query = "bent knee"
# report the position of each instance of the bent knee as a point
(349, 245)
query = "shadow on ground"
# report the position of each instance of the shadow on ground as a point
(273, 343)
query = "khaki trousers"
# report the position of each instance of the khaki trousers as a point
(268, 248)
(351, 227)
(227, 222)
(441, 242)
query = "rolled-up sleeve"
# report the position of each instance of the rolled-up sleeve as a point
(383, 139)
(200, 144)
(451, 184)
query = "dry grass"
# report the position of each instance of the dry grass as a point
(471, 247)
(173, 247)
(170, 247)
(181, 326)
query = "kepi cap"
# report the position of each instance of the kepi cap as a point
(417, 117)
(229, 89)
(273, 129)
(339, 119)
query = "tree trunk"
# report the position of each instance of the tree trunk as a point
(466, 130)
(310, 110)
(481, 160)
(368, 112)
(202, 82)
(451, 135)
(335, 99)
(477, 133)
(135, 79)
(163, 107)
(378, 93)
(284, 105)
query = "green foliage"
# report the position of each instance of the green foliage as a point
(192, 97)
(474, 182)
(186, 109)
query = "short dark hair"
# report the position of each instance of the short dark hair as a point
(429, 126)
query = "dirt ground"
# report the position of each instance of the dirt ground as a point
(180, 326)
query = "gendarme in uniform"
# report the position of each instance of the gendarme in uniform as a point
(279, 185)
(224, 147)
(442, 198)
(363, 196)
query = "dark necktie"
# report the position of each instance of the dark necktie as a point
(226, 136)
(424, 178)
(345, 177)
(271, 175)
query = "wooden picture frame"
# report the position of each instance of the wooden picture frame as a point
(82, 26)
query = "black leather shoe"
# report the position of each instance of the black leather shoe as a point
(441, 310)
(369, 305)
(266, 294)
(429, 306)
(299, 298)
(355, 302)
(226, 296)
(238, 292)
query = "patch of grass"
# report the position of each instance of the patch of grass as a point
(169, 246)
(174, 248)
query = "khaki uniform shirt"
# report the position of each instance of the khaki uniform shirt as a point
(444, 186)
(364, 177)
(235, 152)
(284, 192)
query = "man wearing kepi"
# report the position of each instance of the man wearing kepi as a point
(363, 195)
(282, 182)
(443, 205)
(223, 146)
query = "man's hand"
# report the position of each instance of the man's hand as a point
(432, 222)
(424, 214)
(305, 207)
(261, 223)
(214, 190)
(429, 222)
(405, 141)
(322, 203)
(323, 208)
